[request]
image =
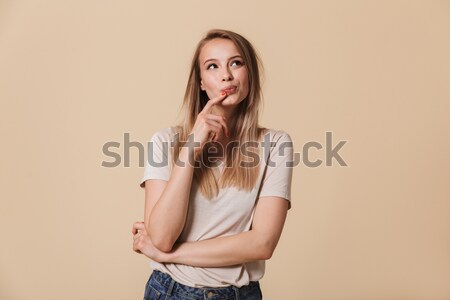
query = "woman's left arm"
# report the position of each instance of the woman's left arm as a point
(256, 244)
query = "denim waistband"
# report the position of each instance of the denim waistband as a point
(173, 287)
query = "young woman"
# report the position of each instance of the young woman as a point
(217, 187)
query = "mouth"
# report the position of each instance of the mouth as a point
(229, 89)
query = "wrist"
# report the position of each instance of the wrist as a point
(186, 156)
(194, 146)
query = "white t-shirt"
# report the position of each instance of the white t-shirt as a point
(231, 212)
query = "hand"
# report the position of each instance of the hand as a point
(208, 126)
(142, 243)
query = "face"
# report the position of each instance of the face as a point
(222, 68)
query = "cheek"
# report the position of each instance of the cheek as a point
(208, 82)
(244, 82)
(244, 78)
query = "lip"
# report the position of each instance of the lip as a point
(229, 89)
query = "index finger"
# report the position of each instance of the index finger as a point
(213, 102)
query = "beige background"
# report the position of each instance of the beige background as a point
(77, 74)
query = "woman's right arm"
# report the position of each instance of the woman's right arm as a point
(167, 202)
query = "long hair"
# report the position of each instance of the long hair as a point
(246, 128)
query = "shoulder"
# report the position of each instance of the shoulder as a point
(165, 135)
(276, 136)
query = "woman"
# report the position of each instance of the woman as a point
(215, 202)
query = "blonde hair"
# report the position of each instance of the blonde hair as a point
(246, 126)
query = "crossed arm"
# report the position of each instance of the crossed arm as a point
(256, 244)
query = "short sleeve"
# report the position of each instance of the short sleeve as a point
(277, 178)
(158, 162)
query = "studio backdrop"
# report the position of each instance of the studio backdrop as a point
(362, 87)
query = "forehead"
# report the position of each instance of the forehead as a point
(220, 49)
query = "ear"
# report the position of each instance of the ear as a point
(201, 85)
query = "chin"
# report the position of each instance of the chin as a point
(231, 100)
(229, 103)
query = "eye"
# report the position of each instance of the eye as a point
(237, 63)
(210, 65)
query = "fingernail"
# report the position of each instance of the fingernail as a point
(223, 94)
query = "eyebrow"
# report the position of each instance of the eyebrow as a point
(212, 59)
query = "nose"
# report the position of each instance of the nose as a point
(227, 75)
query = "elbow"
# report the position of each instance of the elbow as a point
(163, 240)
(160, 241)
(266, 253)
(162, 244)
(266, 250)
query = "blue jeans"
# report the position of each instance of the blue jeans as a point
(161, 286)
